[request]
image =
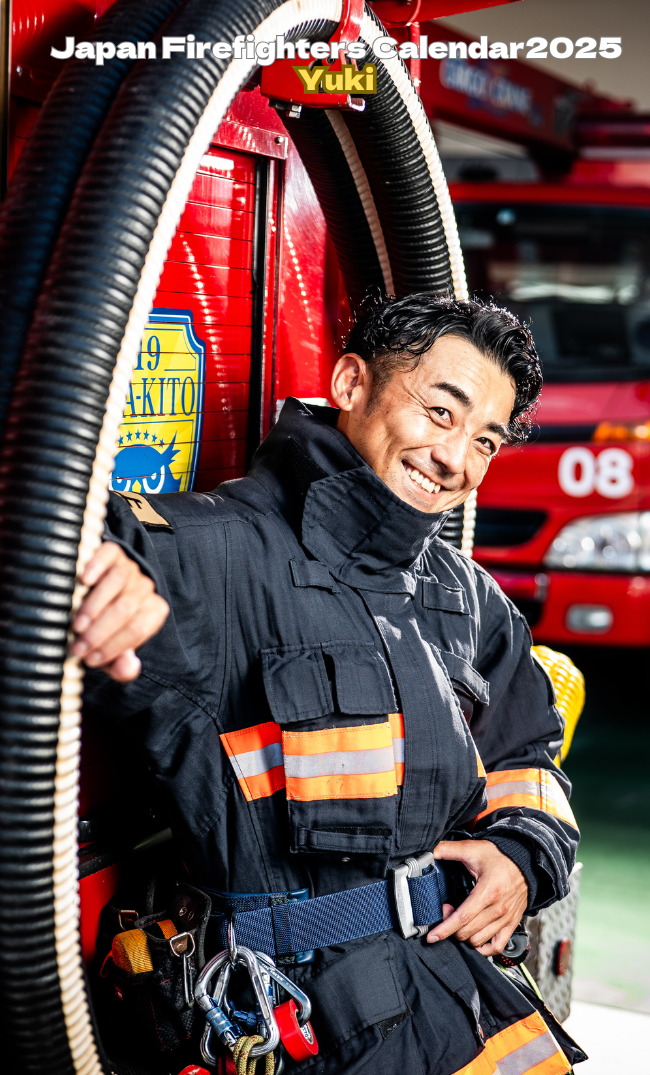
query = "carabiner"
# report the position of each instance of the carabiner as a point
(223, 1027)
(301, 999)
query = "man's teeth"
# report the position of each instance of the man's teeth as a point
(420, 479)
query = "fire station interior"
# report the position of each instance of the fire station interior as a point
(252, 307)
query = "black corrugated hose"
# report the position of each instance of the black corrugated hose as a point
(52, 432)
(49, 167)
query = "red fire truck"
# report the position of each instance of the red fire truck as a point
(562, 238)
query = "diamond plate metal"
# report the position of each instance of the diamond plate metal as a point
(547, 930)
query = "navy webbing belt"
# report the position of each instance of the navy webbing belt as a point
(285, 923)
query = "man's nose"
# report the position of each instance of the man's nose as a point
(450, 454)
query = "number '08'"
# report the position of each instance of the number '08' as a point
(610, 473)
(562, 47)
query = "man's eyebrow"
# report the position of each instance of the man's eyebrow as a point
(456, 392)
(496, 427)
(463, 398)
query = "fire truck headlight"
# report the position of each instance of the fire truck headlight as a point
(617, 542)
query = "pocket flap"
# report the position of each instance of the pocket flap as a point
(446, 598)
(363, 684)
(364, 976)
(296, 684)
(298, 687)
(311, 573)
(463, 673)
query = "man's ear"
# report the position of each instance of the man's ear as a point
(350, 382)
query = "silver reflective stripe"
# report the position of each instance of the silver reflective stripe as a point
(256, 762)
(527, 1056)
(398, 750)
(340, 763)
(513, 787)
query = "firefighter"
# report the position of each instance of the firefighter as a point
(330, 686)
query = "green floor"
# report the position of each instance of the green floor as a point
(609, 765)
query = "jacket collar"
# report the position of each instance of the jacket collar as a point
(350, 520)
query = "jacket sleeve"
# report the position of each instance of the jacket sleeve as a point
(518, 736)
(184, 573)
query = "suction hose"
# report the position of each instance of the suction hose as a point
(67, 404)
(46, 173)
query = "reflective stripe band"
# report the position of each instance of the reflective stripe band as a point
(525, 1048)
(256, 756)
(396, 721)
(360, 762)
(536, 789)
(340, 763)
(370, 786)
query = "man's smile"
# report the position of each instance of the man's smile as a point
(420, 479)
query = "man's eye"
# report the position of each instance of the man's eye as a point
(441, 411)
(489, 444)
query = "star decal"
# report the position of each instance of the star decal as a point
(146, 436)
(154, 438)
(137, 434)
(129, 436)
(121, 440)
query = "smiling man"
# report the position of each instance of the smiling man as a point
(331, 684)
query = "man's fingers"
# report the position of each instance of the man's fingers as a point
(114, 581)
(124, 668)
(497, 944)
(146, 622)
(483, 934)
(124, 604)
(462, 916)
(107, 553)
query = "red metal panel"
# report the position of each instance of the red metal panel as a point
(225, 397)
(218, 190)
(209, 272)
(215, 220)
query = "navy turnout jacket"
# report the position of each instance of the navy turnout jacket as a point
(330, 688)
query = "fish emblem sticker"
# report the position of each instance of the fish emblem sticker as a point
(160, 436)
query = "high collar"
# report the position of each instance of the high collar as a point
(350, 520)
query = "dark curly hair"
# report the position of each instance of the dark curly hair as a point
(394, 334)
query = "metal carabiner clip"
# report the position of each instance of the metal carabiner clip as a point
(301, 999)
(213, 1006)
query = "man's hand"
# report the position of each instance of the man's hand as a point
(493, 909)
(120, 612)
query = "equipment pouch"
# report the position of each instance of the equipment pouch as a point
(152, 968)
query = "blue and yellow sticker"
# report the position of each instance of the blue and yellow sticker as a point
(160, 436)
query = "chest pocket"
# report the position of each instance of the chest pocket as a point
(334, 707)
(469, 685)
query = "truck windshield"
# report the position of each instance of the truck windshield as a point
(579, 275)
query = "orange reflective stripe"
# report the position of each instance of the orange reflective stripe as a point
(525, 1048)
(354, 786)
(537, 789)
(340, 763)
(362, 737)
(357, 762)
(256, 756)
(396, 721)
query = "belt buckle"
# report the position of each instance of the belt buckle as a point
(411, 867)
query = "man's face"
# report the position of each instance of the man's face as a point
(431, 432)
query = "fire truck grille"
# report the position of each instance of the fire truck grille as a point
(503, 526)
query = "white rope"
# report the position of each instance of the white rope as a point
(360, 178)
(66, 795)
